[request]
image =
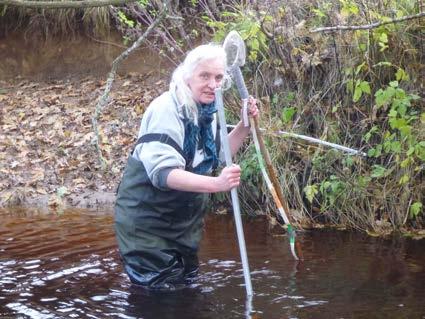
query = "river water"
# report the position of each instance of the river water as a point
(67, 266)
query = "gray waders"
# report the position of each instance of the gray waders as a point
(158, 232)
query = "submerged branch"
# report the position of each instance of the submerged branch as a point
(368, 26)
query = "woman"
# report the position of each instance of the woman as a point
(162, 197)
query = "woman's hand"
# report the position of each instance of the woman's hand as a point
(229, 178)
(252, 108)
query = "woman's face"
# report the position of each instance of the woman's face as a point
(206, 77)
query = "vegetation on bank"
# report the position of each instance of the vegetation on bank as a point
(363, 88)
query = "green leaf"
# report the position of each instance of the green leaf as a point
(410, 151)
(362, 47)
(349, 161)
(415, 209)
(392, 113)
(319, 13)
(400, 75)
(405, 130)
(359, 68)
(381, 98)
(402, 109)
(396, 123)
(383, 38)
(405, 162)
(383, 46)
(375, 152)
(378, 171)
(123, 18)
(288, 114)
(420, 151)
(364, 181)
(404, 179)
(143, 3)
(396, 147)
(357, 94)
(364, 85)
(371, 152)
(369, 134)
(255, 44)
(310, 191)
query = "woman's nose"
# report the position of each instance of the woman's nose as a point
(212, 83)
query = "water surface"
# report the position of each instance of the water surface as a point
(67, 266)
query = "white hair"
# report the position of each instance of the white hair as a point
(185, 70)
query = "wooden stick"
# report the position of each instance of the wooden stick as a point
(269, 166)
(294, 246)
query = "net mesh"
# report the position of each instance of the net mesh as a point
(235, 49)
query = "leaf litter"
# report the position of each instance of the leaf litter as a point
(47, 154)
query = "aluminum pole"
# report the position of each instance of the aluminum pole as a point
(234, 191)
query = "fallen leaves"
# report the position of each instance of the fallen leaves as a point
(46, 135)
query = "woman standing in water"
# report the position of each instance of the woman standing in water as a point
(162, 197)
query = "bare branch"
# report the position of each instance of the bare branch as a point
(368, 26)
(103, 100)
(64, 4)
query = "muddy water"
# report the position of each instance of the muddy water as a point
(76, 57)
(67, 266)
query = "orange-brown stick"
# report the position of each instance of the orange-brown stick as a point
(270, 170)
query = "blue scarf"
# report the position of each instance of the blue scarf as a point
(203, 136)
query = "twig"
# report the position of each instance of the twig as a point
(367, 26)
(103, 100)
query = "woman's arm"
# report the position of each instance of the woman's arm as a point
(237, 136)
(182, 180)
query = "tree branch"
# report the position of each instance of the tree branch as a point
(103, 100)
(64, 4)
(368, 26)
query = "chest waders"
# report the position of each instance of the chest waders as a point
(158, 232)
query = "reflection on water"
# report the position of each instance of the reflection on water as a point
(67, 266)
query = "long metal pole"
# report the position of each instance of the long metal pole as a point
(234, 191)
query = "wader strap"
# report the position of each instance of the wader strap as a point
(217, 139)
(163, 138)
(166, 139)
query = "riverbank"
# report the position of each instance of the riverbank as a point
(46, 149)
(48, 159)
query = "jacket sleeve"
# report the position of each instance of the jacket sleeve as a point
(159, 158)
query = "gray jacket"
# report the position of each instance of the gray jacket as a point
(165, 116)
